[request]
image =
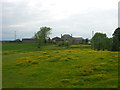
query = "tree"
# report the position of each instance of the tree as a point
(42, 36)
(17, 40)
(83, 41)
(49, 41)
(100, 41)
(86, 41)
(109, 43)
(116, 40)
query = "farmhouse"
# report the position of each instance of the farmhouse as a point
(56, 39)
(68, 38)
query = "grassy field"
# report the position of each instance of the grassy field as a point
(25, 66)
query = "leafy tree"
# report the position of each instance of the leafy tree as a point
(116, 40)
(99, 41)
(109, 43)
(42, 36)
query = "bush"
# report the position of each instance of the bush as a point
(66, 44)
(63, 43)
(17, 40)
(100, 41)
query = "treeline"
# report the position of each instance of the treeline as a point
(100, 41)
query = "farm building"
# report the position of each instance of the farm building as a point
(68, 38)
(71, 39)
(56, 39)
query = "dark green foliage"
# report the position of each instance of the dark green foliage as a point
(63, 43)
(86, 41)
(66, 43)
(49, 41)
(17, 40)
(42, 36)
(34, 62)
(101, 42)
(116, 40)
(109, 42)
(83, 41)
(73, 40)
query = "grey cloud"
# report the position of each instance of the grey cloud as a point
(83, 24)
(78, 25)
(20, 14)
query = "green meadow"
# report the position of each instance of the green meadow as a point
(25, 66)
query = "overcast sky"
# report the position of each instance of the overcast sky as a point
(76, 17)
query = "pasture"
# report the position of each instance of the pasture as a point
(25, 66)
